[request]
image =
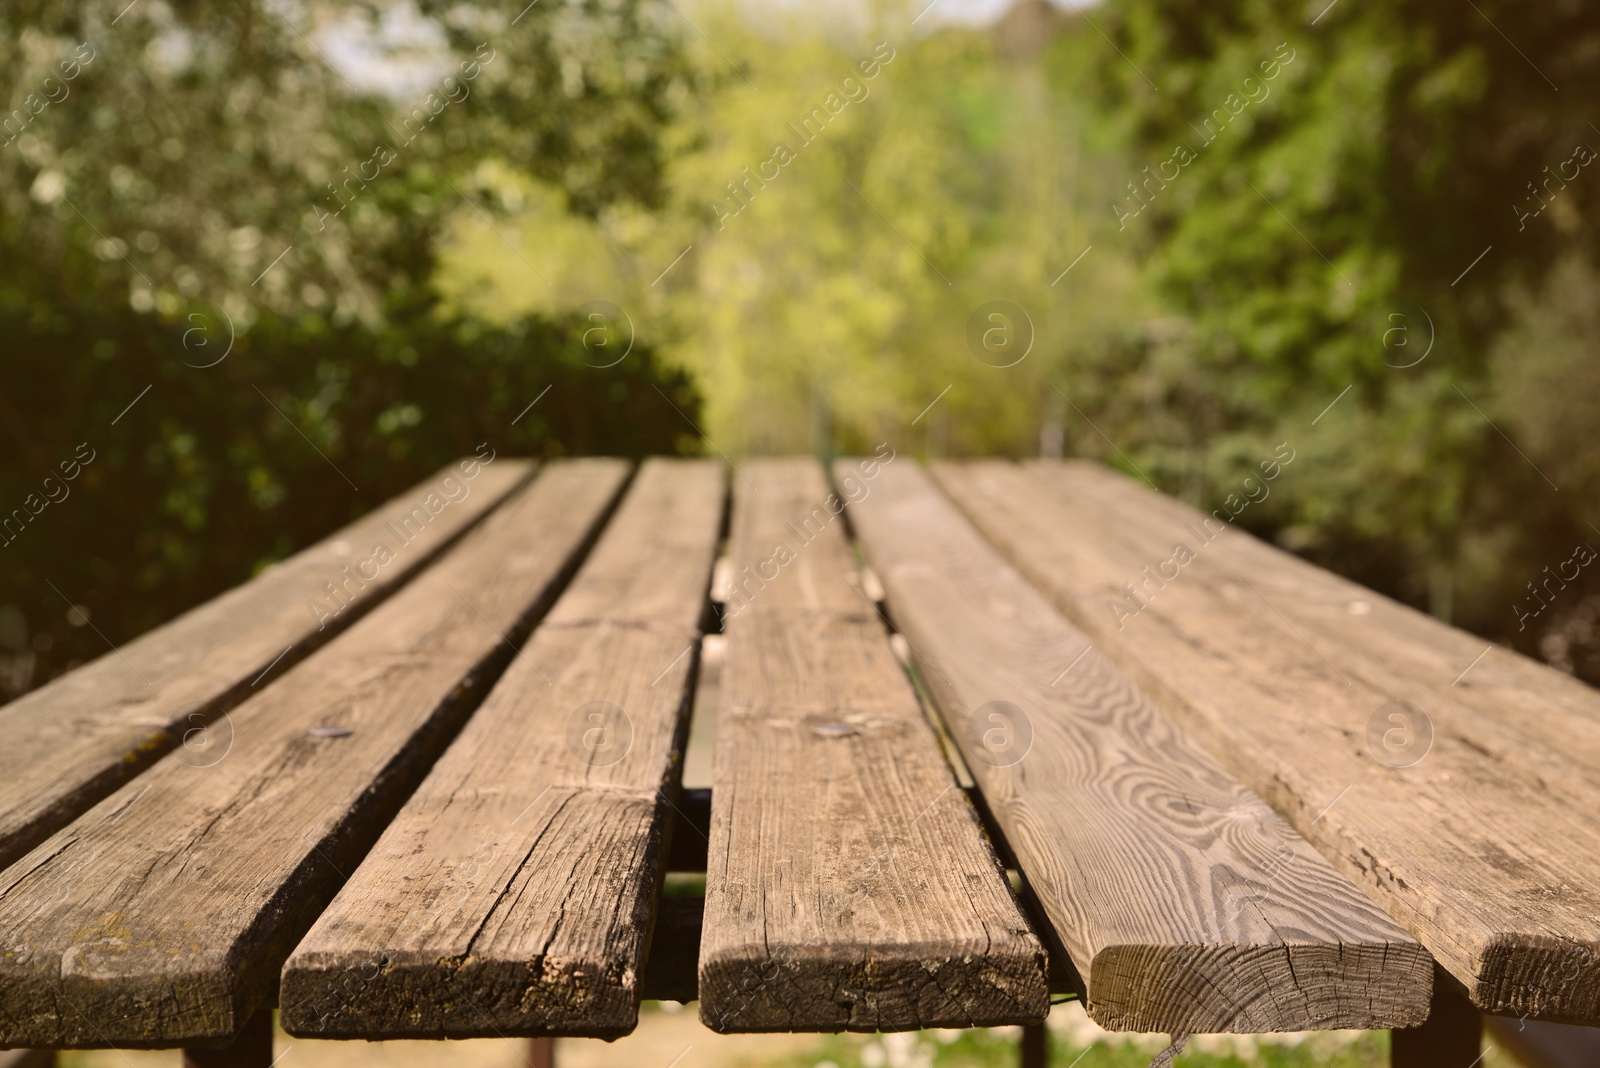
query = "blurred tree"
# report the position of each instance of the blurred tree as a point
(1405, 171)
(198, 141)
(210, 211)
(864, 277)
(830, 236)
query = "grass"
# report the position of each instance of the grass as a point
(667, 1032)
(1075, 1042)
(997, 1048)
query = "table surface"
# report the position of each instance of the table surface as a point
(985, 732)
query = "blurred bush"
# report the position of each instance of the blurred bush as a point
(219, 229)
(1389, 200)
(218, 471)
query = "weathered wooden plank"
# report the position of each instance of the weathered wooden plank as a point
(794, 556)
(68, 744)
(513, 894)
(1185, 903)
(1531, 719)
(1533, 730)
(161, 916)
(1495, 872)
(848, 884)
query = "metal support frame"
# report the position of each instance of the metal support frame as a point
(252, 1047)
(1034, 1051)
(1451, 1037)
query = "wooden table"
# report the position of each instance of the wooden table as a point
(987, 733)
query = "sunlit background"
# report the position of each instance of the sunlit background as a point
(263, 265)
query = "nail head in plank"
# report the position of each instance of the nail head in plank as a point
(1185, 903)
(69, 743)
(848, 885)
(164, 922)
(1495, 877)
(513, 893)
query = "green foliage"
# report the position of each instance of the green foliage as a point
(218, 471)
(997, 1047)
(215, 202)
(1336, 178)
(832, 269)
(1324, 227)
(202, 139)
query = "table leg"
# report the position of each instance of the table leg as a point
(1035, 1051)
(1452, 1036)
(252, 1047)
(541, 1053)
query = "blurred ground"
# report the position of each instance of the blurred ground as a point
(671, 1036)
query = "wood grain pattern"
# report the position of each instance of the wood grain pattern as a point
(848, 884)
(514, 893)
(1473, 848)
(1534, 721)
(1185, 903)
(793, 556)
(161, 916)
(69, 743)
